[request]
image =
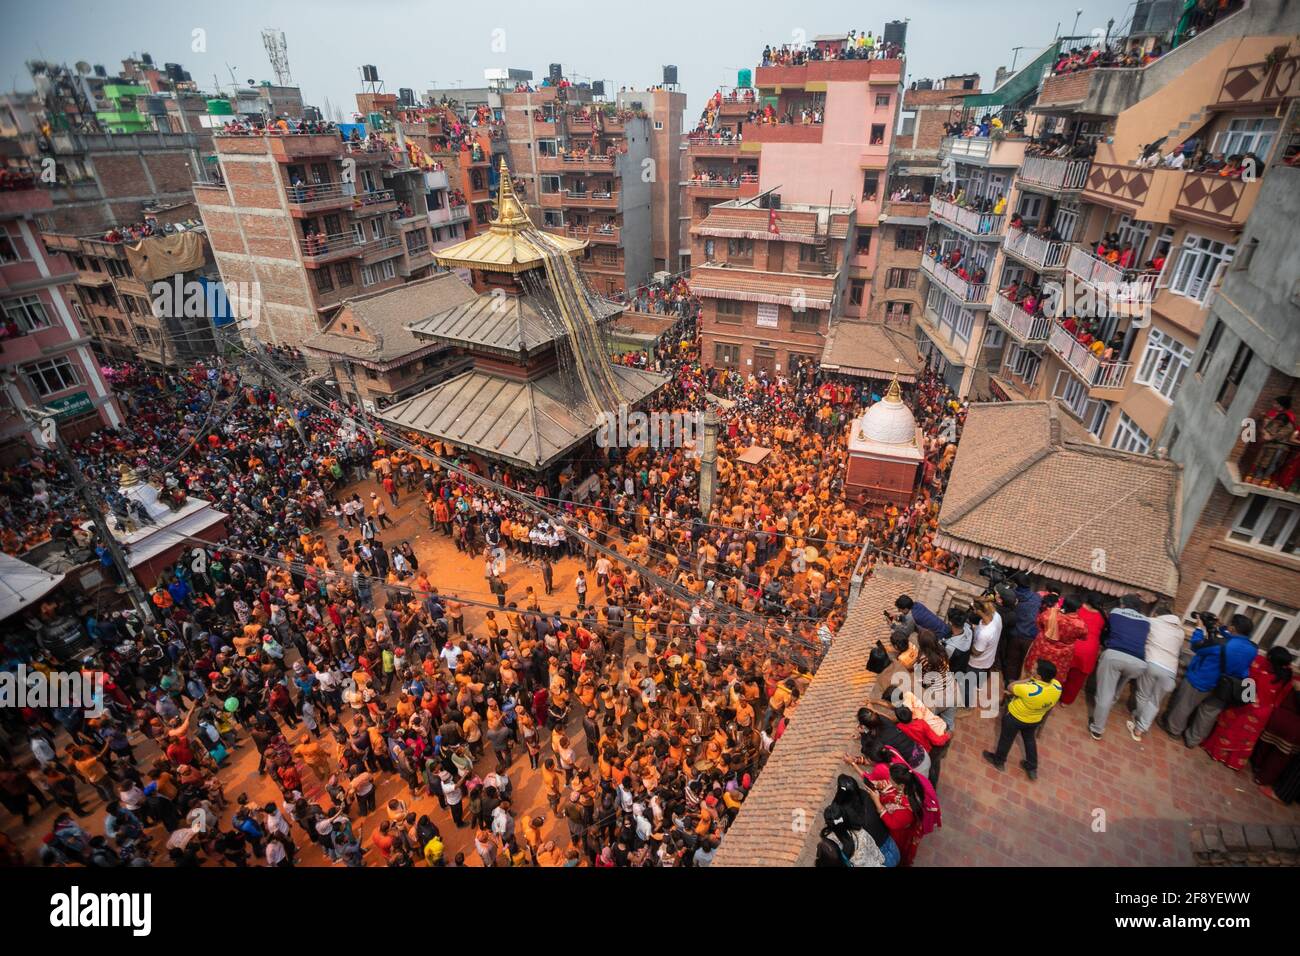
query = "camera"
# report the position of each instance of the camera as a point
(1208, 621)
(996, 574)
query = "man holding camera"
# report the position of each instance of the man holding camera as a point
(1221, 659)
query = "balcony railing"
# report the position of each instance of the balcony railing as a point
(1215, 200)
(709, 144)
(1081, 360)
(1262, 464)
(327, 248)
(1121, 285)
(968, 220)
(380, 244)
(1043, 253)
(1050, 173)
(1021, 324)
(307, 193)
(971, 293)
(591, 198)
(733, 184)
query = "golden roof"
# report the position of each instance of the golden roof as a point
(507, 246)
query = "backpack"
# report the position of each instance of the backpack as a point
(1230, 690)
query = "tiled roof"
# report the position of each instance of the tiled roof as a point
(528, 423)
(756, 285)
(780, 821)
(377, 324)
(864, 348)
(506, 323)
(1070, 511)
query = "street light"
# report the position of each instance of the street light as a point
(1074, 30)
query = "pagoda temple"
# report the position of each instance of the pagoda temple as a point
(885, 453)
(537, 335)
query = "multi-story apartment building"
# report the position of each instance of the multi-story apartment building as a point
(45, 356)
(776, 269)
(466, 165)
(1177, 229)
(603, 170)
(115, 297)
(308, 221)
(1240, 452)
(913, 172)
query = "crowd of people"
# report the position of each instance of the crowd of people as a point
(855, 46)
(986, 125)
(672, 668)
(1193, 156)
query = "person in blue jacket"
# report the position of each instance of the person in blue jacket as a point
(1195, 706)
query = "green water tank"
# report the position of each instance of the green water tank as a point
(220, 107)
(744, 79)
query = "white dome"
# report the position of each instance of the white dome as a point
(889, 421)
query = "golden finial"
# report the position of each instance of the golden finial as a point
(510, 214)
(894, 393)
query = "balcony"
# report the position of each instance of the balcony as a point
(553, 200)
(435, 179)
(1261, 467)
(907, 210)
(292, 147)
(1040, 253)
(383, 247)
(311, 198)
(984, 150)
(970, 293)
(589, 163)
(1080, 360)
(1025, 328)
(704, 145)
(1122, 287)
(591, 199)
(1146, 194)
(1215, 201)
(322, 250)
(604, 234)
(577, 124)
(1055, 175)
(377, 200)
(784, 132)
(741, 187)
(978, 225)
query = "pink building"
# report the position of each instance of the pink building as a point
(45, 356)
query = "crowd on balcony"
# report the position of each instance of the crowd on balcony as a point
(991, 205)
(281, 126)
(1112, 250)
(985, 126)
(856, 46)
(908, 194)
(1193, 156)
(137, 231)
(1114, 54)
(12, 180)
(1045, 231)
(1274, 461)
(1056, 146)
(709, 177)
(955, 262)
(704, 136)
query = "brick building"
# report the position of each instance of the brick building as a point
(309, 221)
(45, 355)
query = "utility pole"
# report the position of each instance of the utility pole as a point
(53, 440)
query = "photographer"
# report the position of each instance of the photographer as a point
(1221, 659)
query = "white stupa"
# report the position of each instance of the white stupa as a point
(885, 451)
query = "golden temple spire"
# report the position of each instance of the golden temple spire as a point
(894, 393)
(510, 213)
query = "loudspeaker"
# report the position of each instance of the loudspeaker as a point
(556, 72)
(670, 76)
(406, 96)
(597, 87)
(370, 73)
(896, 32)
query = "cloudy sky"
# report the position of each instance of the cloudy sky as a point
(418, 43)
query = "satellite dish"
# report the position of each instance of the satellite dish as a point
(83, 67)
(252, 82)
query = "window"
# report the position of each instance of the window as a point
(1275, 624)
(1268, 523)
(877, 134)
(28, 312)
(900, 279)
(882, 100)
(1247, 135)
(1067, 217)
(52, 375)
(729, 310)
(898, 311)
(1163, 364)
(1072, 393)
(417, 241)
(871, 179)
(740, 250)
(323, 281)
(806, 320)
(1199, 266)
(659, 124)
(343, 274)
(1022, 363)
(724, 353)
(1211, 343)
(1236, 372)
(994, 337)
(909, 239)
(862, 242)
(857, 290)
(1128, 437)
(10, 250)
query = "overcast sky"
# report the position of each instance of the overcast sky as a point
(416, 43)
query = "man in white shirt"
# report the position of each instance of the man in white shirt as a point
(1163, 648)
(984, 645)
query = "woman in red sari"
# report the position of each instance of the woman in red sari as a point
(1239, 728)
(1058, 630)
(901, 802)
